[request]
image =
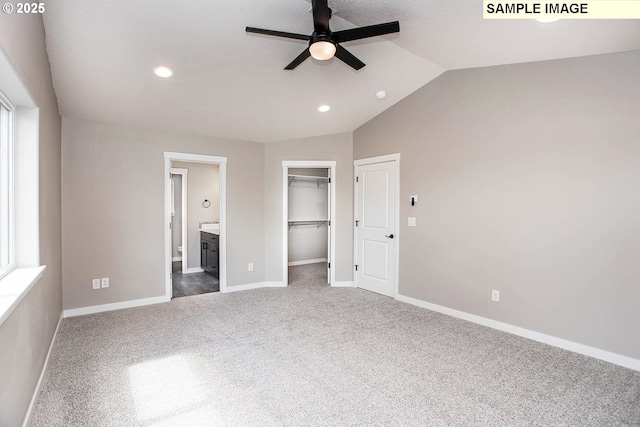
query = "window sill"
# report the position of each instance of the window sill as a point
(15, 286)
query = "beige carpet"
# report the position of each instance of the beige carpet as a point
(313, 355)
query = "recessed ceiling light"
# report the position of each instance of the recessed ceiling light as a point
(324, 108)
(547, 20)
(163, 71)
(381, 94)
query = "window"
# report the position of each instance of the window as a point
(6, 187)
(20, 267)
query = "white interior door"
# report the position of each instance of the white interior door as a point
(376, 234)
(329, 225)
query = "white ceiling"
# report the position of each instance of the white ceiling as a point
(231, 84)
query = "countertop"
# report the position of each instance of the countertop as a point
(211, 228)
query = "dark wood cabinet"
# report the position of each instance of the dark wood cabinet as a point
(209, 253)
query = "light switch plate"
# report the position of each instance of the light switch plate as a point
(412, 221)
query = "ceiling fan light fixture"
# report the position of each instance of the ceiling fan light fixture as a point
(322, 50)
(325, 44)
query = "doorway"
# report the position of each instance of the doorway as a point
(376, 232)
(203, 211)
(308, 208)
(190, 275)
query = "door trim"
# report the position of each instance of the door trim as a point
(370, 161)
(194, 158)
(379, 159)
(286, 164)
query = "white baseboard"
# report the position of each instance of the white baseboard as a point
(586, 350)
(257, 285)
(274, 285)
(338, 284)
(176, 258)
(36, 393)
(114, 306)
(307, 261)
(192, 270)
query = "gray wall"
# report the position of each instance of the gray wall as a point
(113, 214)
(27, 333)
(337, 147)
(203, 182)
(113, 211)
(528, 178)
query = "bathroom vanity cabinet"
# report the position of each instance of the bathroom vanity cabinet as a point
(209, 253)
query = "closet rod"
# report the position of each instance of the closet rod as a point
(317, 223)
(317, 179)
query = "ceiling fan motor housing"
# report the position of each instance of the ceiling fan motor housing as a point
(321, 37)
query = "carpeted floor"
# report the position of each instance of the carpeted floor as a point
(309, 355)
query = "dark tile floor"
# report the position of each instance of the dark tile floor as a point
(193, 283)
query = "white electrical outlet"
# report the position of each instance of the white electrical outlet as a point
(105, 282)
(412, 221)
(95, 284)
(250, 266)
(495, 295)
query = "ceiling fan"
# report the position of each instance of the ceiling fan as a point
(325, 44)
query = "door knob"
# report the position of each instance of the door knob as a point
(389, 236)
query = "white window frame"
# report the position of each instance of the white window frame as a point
(25, 211)
(7, 189)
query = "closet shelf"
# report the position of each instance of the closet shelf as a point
(306, 222)
(318, 179)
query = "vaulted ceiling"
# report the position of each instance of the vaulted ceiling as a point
(231, 84)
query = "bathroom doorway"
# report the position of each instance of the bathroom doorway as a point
(195, 242)
(194, 269)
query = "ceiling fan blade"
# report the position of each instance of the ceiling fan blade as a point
(345, 56)
(299, 60)
(321, 16)
(365, 32)
(277, 33)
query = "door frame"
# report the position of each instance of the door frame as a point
(169, 157)
(184, 173)
(370, 161)
(328, 164)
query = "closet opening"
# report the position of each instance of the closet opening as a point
(308, 211)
